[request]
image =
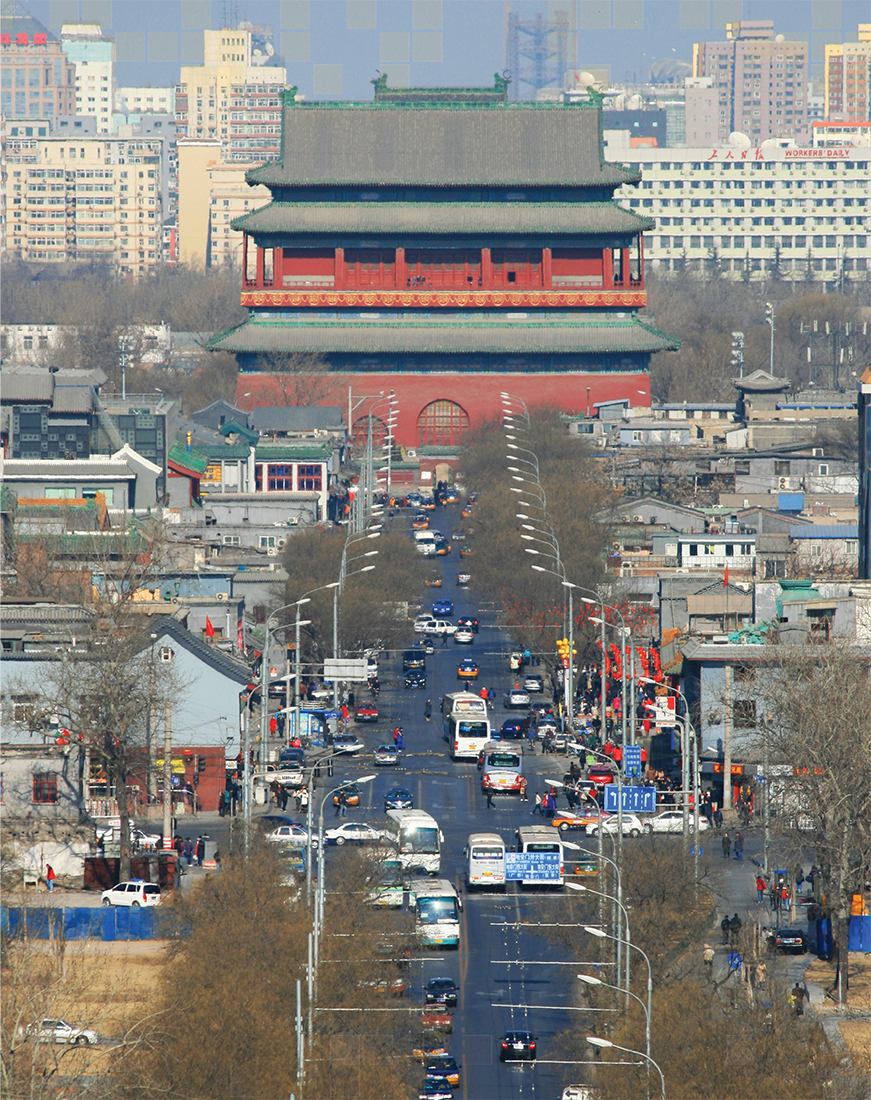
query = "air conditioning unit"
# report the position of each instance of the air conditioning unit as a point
(166, 654)
(221, 597)
(638, 519)
(281, 542)
(294, 521)
(411, 454)
(783, 483)
(626, 519)
(272, 552)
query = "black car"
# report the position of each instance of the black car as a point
(398, 798)
(441, 991)
(518, 1046)
(413, 658)
(292, 756)
(426, 644)
(415, 678)
(788, 941)
(469, 622)
(514, 729)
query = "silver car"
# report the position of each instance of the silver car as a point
(59, 1031)
(632, 825)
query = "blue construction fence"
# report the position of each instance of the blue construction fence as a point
(820, 936)
(89, 923)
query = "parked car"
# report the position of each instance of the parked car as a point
(415, 678)
(671, 821)
(398, 798)
(348, 743)
(353, 832)
(632, 825)
(386, 755)
(59, 1031)
(534, 682)
(149, 841)
(134, 893)
(366, 712)
(441, 991)
(518, 1046)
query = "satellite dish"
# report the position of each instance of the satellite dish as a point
(739, 140)
(779, 38)
(587, 80)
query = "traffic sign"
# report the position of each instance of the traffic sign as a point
(635, 799)
(632, 760)
(532, 866)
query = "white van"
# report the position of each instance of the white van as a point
(425, 542)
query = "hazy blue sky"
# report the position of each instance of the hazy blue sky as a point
(332, 48)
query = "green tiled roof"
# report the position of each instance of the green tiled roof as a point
(382, 145)
(274, 452)
(187, 460)
(233, 427)
(219, 451)
(443, 337)
(444, 219)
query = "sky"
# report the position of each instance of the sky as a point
(334, 48)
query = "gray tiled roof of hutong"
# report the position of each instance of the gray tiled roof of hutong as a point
(382, 145)
(443, 337)
(444, 219)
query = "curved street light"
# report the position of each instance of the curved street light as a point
(606, 1044)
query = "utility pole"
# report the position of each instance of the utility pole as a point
(769, 320)
(167, 777)
(737, 359)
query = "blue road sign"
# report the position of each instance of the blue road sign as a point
(632, 760)
(635, 799)
(532, 866)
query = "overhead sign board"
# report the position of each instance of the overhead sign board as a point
(632, 760)
(635, 799)
(532, 866)
(354, 670)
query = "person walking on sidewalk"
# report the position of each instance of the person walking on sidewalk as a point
(523, 797)
(734, 930)
(724, 928)
(427, 710)
(739, 846)
(727, 845)
(50, 876)
(718, 819)
(708, 957)
(760, 889)
(537, 808)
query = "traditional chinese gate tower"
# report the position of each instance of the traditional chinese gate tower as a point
(446, 245)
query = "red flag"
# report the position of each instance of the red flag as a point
(210, 630)
(726, 577)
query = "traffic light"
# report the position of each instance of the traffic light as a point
(201, 763)
(564, 651)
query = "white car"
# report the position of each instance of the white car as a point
(354, 832)
(671, 821)
(421, 621)
(59, 1031)
(347, 742)
(134, 893)
(632, 825)
(517, 697)
(439, 626)
(463, 636)
(294, 836)
(149, 841)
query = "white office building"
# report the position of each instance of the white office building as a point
(753, 211)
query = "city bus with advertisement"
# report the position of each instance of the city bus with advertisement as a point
(437, 906)
(537, 839)
(485, 853)
(417, 839)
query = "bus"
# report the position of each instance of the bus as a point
(387, 885)
(466, 703)
(417, 838)
(466, 736)
(486, 855)
(437, 912)
(541, 838)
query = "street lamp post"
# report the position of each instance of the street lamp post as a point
(581, 888)
(595, 1041)
(588, 979)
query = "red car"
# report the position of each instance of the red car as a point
(366, 712)
(435, 1017)
(600, 775)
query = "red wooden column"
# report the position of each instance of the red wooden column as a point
(607, 269)
(339, 271)
(486, 269)
(546, 268)
(259, 266)
(400, 270)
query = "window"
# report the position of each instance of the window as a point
(44, 787)
(23, 707)
(232, 540)
(744, 713)
(279, 478)
(309, 478)
(267, 542)
(442, 423)
(781, 468)
(744, 674)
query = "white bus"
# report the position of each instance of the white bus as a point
(466, 736)
(466, 703)
(541, 838)
(437, 912)
(486, 855)
(417, 838)
(387, 885)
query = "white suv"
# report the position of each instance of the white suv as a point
(134, 893)
(439, 626)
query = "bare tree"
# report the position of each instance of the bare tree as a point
(299, 379)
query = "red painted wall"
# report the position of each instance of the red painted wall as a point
(478, 394)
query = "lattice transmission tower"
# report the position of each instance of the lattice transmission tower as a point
(538, 51)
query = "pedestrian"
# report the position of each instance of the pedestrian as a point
(727, 845)
(739, 846)
(396, 736)
(718, 818)
(799, 877)
(351, 698)
(304, 799)
(724, 928)
(530, 733)
(489, 793)
(760, 889)
(708, 957)
(178, 844)
(523, 797)
(201, 851)
(298, 800)
(284, 798)
(338, 802)
(536, 809)
(761, 974)
(188, 850)
(796, 999)
(787, 897)
(427, 710)
(50, 876)
(400, 741)
(444, 638)
(734, 930)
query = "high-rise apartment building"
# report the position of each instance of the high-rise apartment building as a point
(145, 101)
(848, 79)
(230, 100)
(93, 199)
(37, 79)
(94, 58)
(761, 82)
